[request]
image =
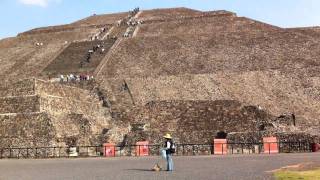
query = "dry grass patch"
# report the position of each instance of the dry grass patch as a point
(305, 171)
(293, 175)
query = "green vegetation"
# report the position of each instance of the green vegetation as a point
(298, 175)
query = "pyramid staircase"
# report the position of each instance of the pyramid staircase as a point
(69, 61)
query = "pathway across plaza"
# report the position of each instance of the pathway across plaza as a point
(138, 168)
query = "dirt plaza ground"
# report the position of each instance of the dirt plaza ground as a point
(138, 168)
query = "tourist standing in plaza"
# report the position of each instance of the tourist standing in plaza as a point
(170, 149)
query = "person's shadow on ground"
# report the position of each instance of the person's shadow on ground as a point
(145, 170)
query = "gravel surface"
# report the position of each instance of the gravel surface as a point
(230, 167)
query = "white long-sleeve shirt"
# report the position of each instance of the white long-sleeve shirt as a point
(168, 145)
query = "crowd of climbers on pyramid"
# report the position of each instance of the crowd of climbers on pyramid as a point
(134, 12)
(96, 48)
(39, 44)
(131, 19)
(99, 34)
(75, 78)
(131, 23)
(99, 48)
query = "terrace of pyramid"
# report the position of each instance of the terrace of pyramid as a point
(180, 71)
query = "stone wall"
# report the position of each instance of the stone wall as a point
(67, 105)
(118, 93)
(61, 28)
(21, 104)
(18, 88)
(27, 60)
(76, 116)
(26, 130)
(77, 130)
(44, 88)
(219, 52)
(167, 14)
(276, 92)
(194, 121)
(313, 32)
(203, 25)
(184, 87)
(77, 34)
(101, 19)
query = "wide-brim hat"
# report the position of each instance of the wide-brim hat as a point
(167, 136)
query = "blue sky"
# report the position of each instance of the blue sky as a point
(21, 15)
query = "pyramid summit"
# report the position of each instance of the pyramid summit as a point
(137, 75)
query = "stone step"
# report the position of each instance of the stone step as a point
(69, 61)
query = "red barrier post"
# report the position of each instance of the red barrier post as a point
(109, 150)
(270, 145)
(220, 146)
(142, 148)
(315, 147)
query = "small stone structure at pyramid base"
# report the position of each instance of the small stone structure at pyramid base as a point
(36, 113)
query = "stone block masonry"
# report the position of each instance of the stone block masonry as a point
(19, 104)
(44, 88)
(26, 130)
(187, 72)
(50, 114)
(17, 88)
(195, 121)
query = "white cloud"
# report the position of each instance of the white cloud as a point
(41, 3)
